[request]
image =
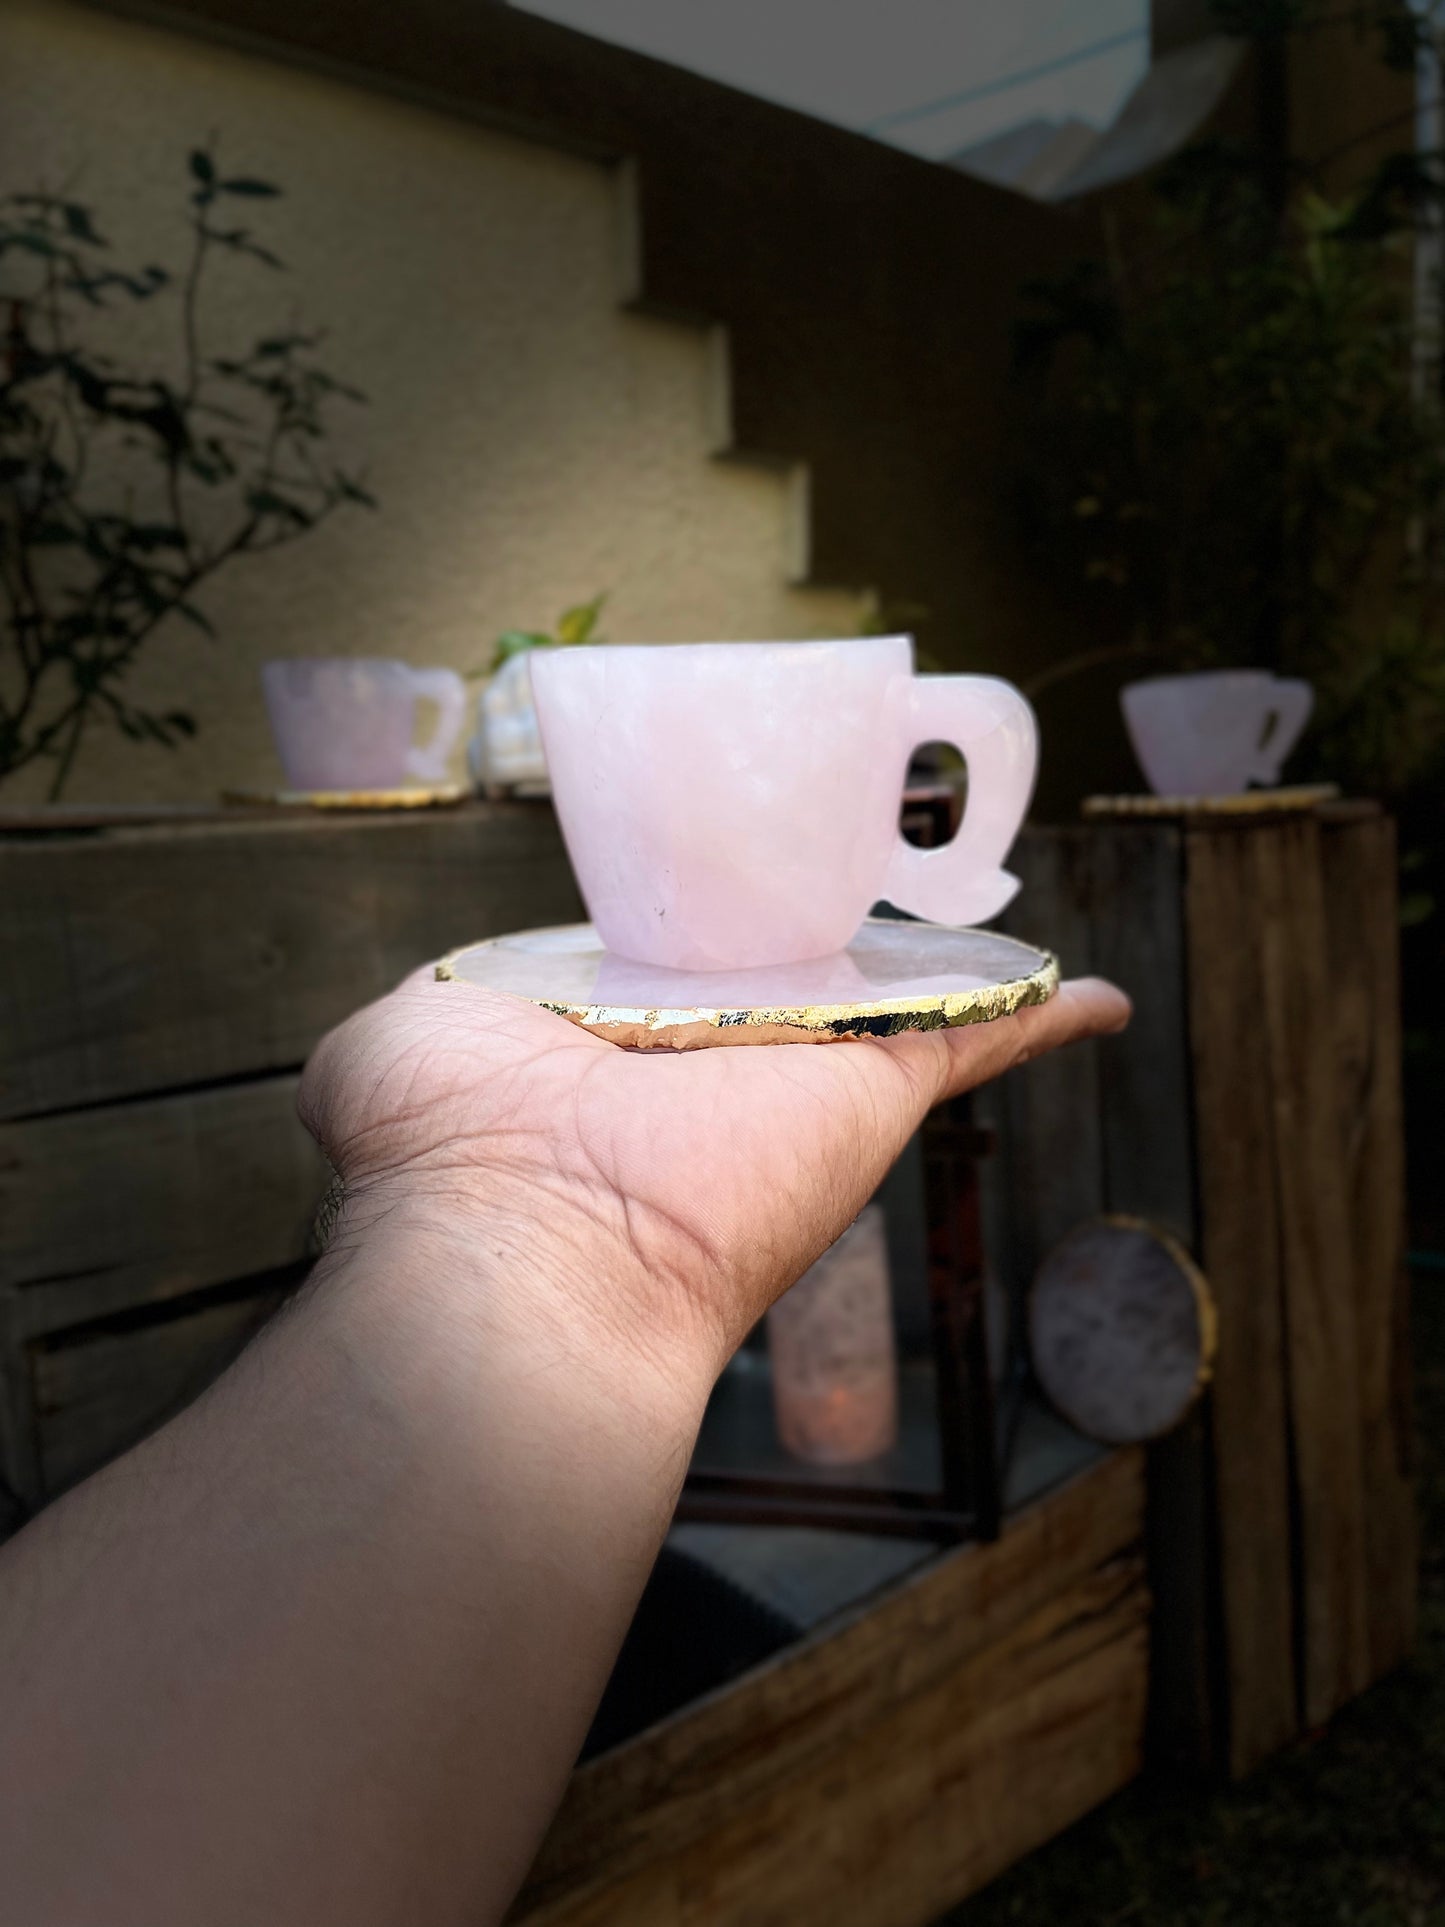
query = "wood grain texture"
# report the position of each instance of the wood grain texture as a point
(941, 1796)
(1360, 868)
(1147, 1125)
(1316, 1270)
(98, 1391)
(1052, 1164)
(19, 1439)
(786, 1727)
(1144, 1073)
(153, 959)
(117, 1206)
(1239, 1240)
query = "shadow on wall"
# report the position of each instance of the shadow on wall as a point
(525, 436)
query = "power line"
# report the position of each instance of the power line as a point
(931, 107)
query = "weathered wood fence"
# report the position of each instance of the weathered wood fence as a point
(161, 987)
(1253, 1108)
(162, 983)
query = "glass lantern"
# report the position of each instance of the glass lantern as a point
(865, 1400)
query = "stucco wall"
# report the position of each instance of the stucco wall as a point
(528, 439)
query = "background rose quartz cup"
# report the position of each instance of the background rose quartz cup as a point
(732, 805)
(344, 723)
(1215, 733)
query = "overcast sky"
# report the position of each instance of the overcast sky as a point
(862, 63)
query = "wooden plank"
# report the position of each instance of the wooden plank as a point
(52, 819)
(1147, 1128)
(1052, 1161)
(1137, 915)
(1360, 869)
(1317, 1273)
(108, 1208)
(940, 1794)
(646, 1802)
(145, 960)
(19, 1441)
(1238, 1245)
(97, 1391)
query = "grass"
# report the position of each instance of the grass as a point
(1347, 1829)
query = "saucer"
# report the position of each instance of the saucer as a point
(894, 976)
(416, 796)
(1275, 802)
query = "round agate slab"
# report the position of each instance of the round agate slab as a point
(1271, 802)
(415, 796)
(892, 977)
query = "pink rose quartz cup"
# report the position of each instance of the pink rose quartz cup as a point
(346, 723)
(733, 805)
(1214, 733)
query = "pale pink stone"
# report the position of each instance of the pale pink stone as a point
(729, 805)
(346, 723)
(834, 1360)
(1215, 733)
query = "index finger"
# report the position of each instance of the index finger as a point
(959, 1060)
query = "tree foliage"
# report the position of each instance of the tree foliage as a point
(1241, 430)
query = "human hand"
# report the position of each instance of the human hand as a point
(648, 1204)
(358, 1602)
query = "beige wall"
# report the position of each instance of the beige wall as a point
(528, 439)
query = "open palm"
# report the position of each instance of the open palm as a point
(656, 1192)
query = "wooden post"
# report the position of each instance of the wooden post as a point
(1253, 1109)
(1364, 948)
(1239, 1249)
(1148, 1133)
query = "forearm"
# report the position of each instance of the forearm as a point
(324, 1648)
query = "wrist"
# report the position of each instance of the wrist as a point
(465, 1278)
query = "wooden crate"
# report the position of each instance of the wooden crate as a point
(167, 980)
(895, 1762)
(1253, 1108)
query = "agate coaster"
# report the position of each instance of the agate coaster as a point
(893, 977)
(415, 796)
(1286, 800)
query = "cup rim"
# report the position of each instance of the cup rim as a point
(347, 662)
(1194, 677)
(793, 645)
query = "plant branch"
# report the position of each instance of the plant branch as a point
(67, 755)
(1056, 672)
(83, 585)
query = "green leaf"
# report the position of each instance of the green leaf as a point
(193, 615)
(578, 625)
(202, 166)
(515, 642)
(256, 190)
(1416, 907)
(181, 721)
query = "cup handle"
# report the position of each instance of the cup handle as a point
(428, 761)
(1290, 704)
(993, 727)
